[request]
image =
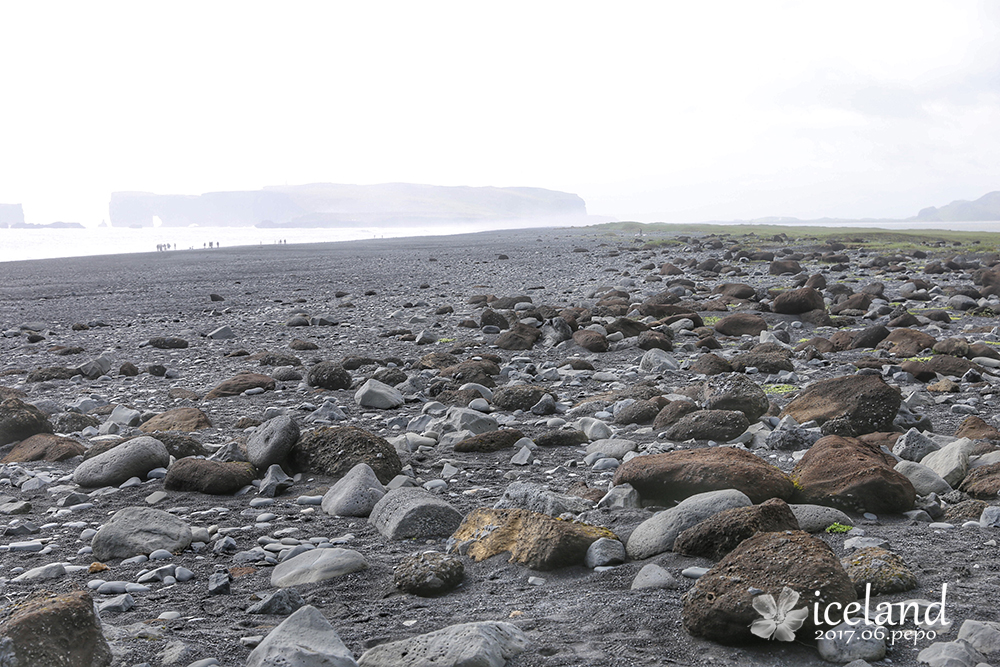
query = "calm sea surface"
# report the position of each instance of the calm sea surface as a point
(21, 244)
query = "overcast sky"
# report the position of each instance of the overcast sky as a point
(677, 111)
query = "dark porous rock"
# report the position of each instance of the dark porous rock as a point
(71, 422)
(708, 425)
(279, 359)
(965, 510)
(717, 535)
(943, 364)
(281, 602)
(428, 573)
(128, 369)
(329, 375)
(792, 439)
(212, 477)
(562, 438)
(720, 607)
(839, 426)
(353, 362)
(20, 420)
(156, 370)
(335, 450)
(518, 397)
(44, 447)
(735, 391)
(852, 475)
(627, 327)
(740, 324)
(711, 364)
(594, 341)
(672, 412)
(797, 301)
(168, 343)
(666, 478)
(178, 419)
(491, 441)
(982, 482)
(866, 401)
(870, 337)
(389, 376)
(520, 337)
(480, 371)
(536, 540)
(885, 571)
(55, 630)
(974, 428)
(52, 373)
(238, 384)
(491, 317)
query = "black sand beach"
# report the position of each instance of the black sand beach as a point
(372, 306)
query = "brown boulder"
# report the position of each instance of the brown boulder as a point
(44, 447)
(974, 428)
(334, 450)
(708, 425)
(673, 476)
(739, 324)
(956, 347)
(943, 364)
(852, 475)
(178, 419)
(562, 438)
(907, 342)
(797, 301)
(717, 535)
(982, 482)
(519, 396)
(57, 631)
(859, 301)
(720, 604)
(711, 364)
(536, 540)
(20, 420)
(780, 266)
(655, 339)
(329, 375)
(520, 337)
(672, 412)
(238, 384)
(865, 400)
(212, 477)
(491, 441)
(594, 341)
(821, 345)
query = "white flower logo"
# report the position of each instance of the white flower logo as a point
(780, 619)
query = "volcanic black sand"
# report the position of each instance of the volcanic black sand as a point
(576, 616)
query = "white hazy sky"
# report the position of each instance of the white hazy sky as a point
(676, 111)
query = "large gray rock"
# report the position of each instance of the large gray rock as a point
(914, 446)
(735, 391)
(923, 479)
(616, 448)
(951, 462)
(484, 644)
(984, 636)
(657, 534)
(132, 458)
(272, 441)
(411, 512)
(464, 419)
(538, 498)
(304, 639)
(847, 643)
(958, 653)
(355, 494)
(657, 361)
(317, 565)
(817, 518)
(375, 394)
(140, 530)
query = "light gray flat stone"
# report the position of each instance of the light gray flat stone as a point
(317, 565)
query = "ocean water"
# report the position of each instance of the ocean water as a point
(24, 244)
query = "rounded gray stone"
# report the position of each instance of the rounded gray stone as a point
(355, 494)
(133, 458)
(272, 441)
(140, 530)
(317, 565)
(413, 513)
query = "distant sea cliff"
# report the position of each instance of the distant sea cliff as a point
(332, 205)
